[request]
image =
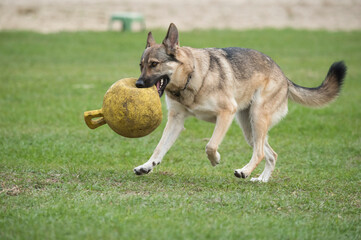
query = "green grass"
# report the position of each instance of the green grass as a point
(61, 180)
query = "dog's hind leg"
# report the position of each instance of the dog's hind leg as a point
(266, 110)
(259, 135)
(260, 120)
(244, 122)
(224, 120)
(271, 158)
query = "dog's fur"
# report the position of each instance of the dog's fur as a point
(217, 85)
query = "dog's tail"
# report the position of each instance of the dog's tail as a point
(325, 93)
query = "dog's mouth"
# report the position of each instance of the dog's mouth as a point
(161, 84)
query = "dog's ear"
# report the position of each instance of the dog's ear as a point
(171, 41)
(150, 40)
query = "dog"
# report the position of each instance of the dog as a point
(220, 84)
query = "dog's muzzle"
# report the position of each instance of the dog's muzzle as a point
(160, 82)
(140, 83)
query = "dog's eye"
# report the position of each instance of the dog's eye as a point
(154, 64)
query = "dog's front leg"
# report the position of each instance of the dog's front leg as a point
(174, 127)
(224, 120)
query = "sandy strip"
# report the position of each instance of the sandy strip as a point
(73, 15)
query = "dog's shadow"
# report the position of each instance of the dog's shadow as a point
(191, 184)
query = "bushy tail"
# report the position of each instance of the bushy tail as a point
(325, 93)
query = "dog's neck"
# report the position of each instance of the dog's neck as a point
(188, 79)
(178, 93)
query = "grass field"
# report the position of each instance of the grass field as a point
(61, 180)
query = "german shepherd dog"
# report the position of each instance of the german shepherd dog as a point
(218, 84)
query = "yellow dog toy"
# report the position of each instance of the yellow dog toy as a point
(130, 111)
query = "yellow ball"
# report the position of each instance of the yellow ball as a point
(130, 111)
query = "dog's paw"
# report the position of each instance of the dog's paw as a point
(264, 177)
(240, 173)
(215, 159)
(141, 170)
(259, 179)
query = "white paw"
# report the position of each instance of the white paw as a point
(241, 173)
(143, 169)
(214, 159)
(259, 179)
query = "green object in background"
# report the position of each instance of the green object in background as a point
(127, 19)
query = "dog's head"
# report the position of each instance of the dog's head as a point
(159, 61)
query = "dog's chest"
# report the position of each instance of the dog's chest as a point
(205, 111)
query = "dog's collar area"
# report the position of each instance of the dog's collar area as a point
(189, 78)
(177, 93)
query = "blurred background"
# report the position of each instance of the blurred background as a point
(73, 15)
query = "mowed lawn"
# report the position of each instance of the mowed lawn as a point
(61, 180)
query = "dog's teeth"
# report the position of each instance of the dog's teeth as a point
(161, 82)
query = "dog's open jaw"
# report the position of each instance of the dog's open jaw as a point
(161, 84)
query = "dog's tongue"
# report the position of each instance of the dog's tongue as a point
(158, 85)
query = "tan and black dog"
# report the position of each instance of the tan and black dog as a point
(218, 84)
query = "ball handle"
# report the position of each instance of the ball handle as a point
(92, 124)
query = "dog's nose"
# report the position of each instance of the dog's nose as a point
(140, 83)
